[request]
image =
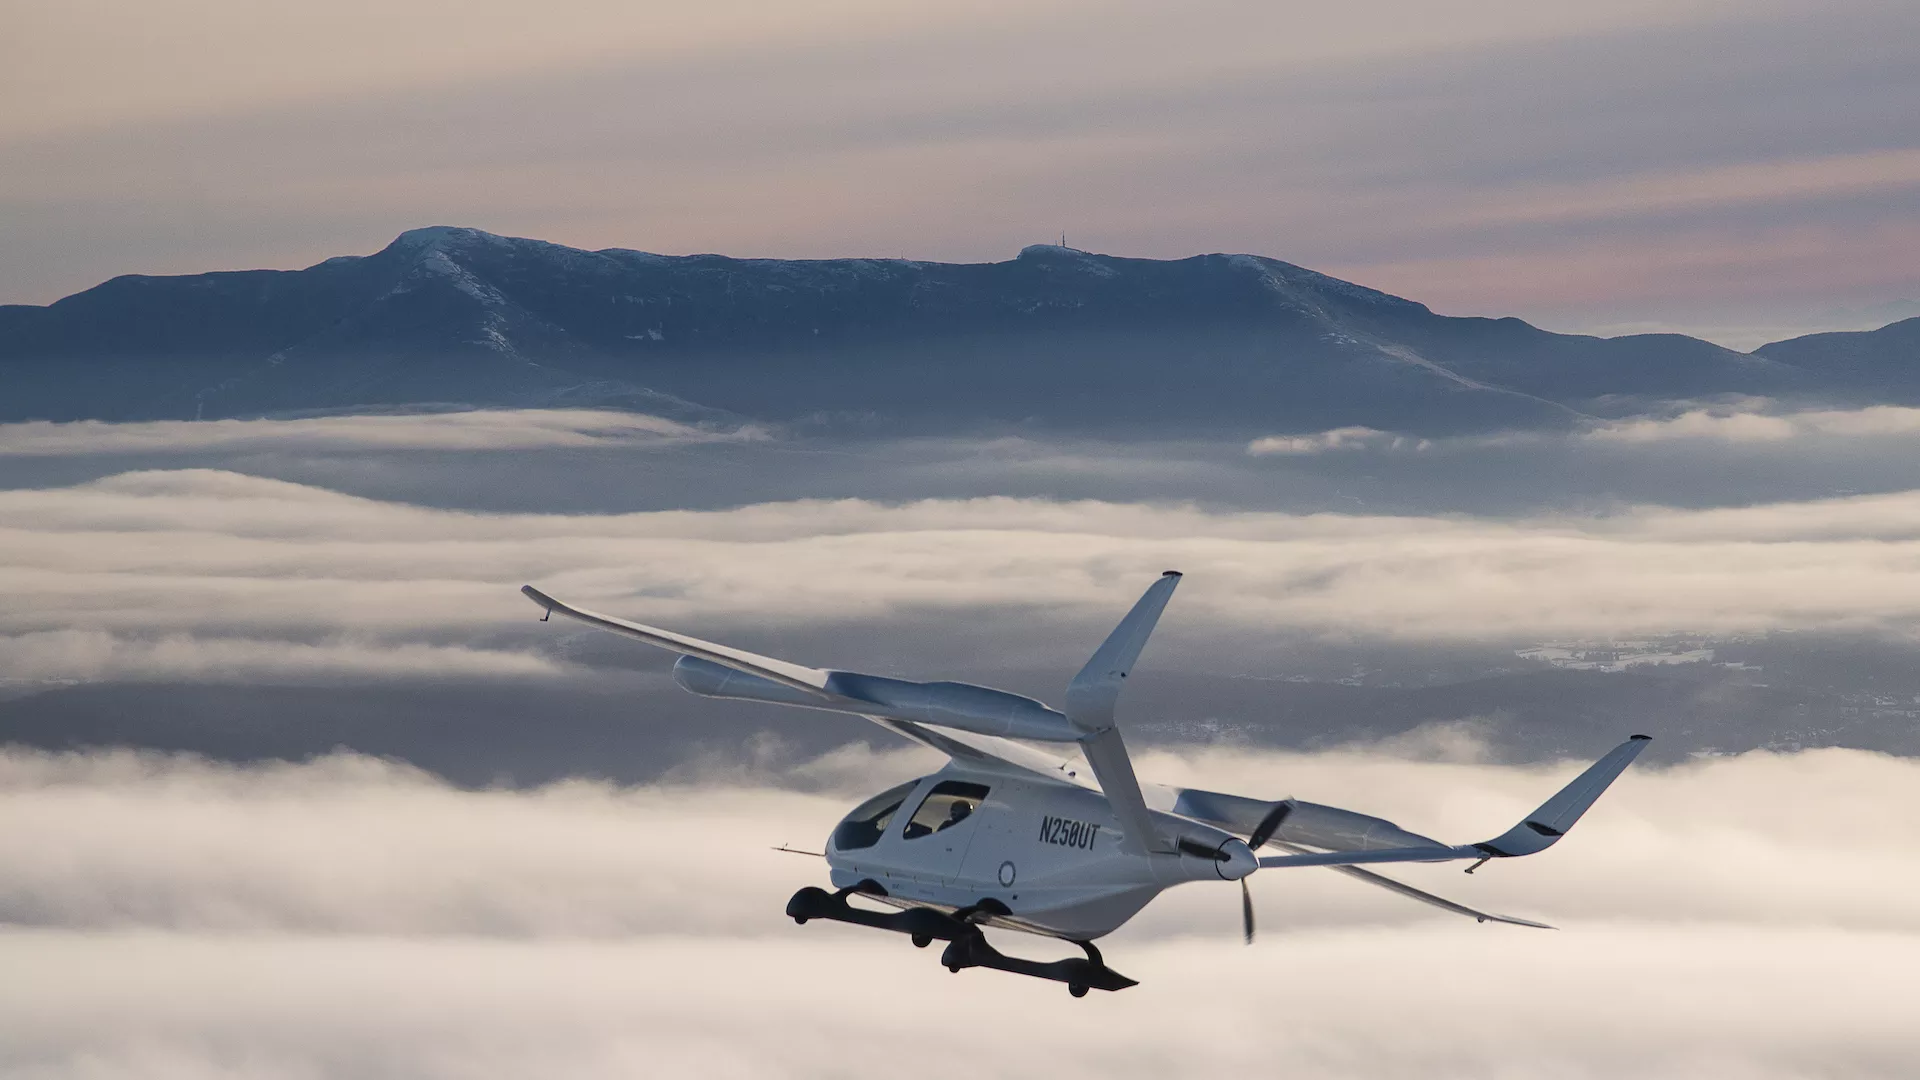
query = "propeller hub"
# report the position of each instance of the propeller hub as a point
(1235, 860)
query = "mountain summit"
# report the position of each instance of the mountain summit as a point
(1056, 338)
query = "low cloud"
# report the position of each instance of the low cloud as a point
(93, 655)
(1452, 1002)
(1742, 426)
(1341, 438)
(350, 844)
(413, 929)
(1749, 422)
(484, 429)
(218, 573)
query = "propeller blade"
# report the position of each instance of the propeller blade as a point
(1246, 908)
(1270, 824)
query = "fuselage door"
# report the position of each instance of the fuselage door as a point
(932, 841)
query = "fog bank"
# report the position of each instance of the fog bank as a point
(1741, 917)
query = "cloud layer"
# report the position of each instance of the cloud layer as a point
(1749, 423)
(1342, 438)
(353, 918)
(354, 845)
(1742, 426)
(210, 574)
(504, 429)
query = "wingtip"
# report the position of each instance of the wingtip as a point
(1640, 738)
(1170, 573)
(1514, 920)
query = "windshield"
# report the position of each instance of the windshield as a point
(868, 821)
(948, 804)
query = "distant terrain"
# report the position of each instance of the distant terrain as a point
(1055, 339)
(1134, 386)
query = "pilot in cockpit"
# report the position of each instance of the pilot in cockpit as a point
(948, 804)
(956, 814)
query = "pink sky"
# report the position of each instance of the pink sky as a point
(1744, 171)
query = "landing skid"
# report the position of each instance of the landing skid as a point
(1080, 976)
(922, 924)
(967, 946)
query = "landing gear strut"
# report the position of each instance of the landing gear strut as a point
(967, 945)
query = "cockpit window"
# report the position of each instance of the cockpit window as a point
(948, 804)
(869, 820)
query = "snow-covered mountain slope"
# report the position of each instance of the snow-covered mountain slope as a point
(1055, 338)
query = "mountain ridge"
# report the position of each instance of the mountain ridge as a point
(1054, 338)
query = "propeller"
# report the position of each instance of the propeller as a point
(1262, 833)
(1270, 824)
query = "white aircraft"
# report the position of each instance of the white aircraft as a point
(1008, 836)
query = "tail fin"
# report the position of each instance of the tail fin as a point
(1091, 697)
(1539, 830)
(1092, 693)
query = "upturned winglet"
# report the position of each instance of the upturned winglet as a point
(1536, 832)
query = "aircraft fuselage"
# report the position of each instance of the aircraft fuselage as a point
(1053, 854)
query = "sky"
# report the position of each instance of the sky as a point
(1744, 171)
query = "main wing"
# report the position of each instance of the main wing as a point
(966, 722)
(1411, 893)
(974, 723)
(1302, 828)
(807, 680)
(1343, 840)
(1535, 833)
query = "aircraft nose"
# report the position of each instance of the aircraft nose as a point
(1235, 860)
